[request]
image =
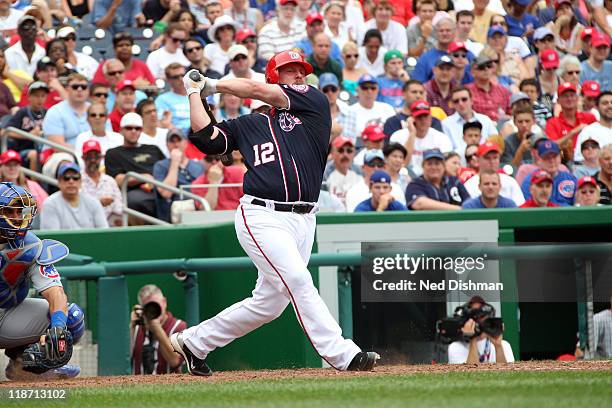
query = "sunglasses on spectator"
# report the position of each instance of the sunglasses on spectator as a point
(28, 27)
(572, 72)
(239, 58)
(101, 95)
(177, 40)
(330, 88)
(70, 37)
(548, 38)
(500, 22)
(459, 55)
(132, 128)
(75, 177)
(91, 156)
(97, 115)
(378, 164)
(369, 88)
(347, 150)
(192, 49)
(76, 87)
(113, 73)
(249, 40)
(486, 66)
(351, 55)
(175, 77)
(464, 99)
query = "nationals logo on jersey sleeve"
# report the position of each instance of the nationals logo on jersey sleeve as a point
(49, 271)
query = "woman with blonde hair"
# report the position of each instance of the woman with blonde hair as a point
(350, 72)
(566, 29)
(499, 60)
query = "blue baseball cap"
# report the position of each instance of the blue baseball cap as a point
(367, 78)
(495, 30)
(522, 2)
(372, 155)
(327, 79)
(444, 60)
(380, 176)
(432, 154)
(548, 146)
(67, 167)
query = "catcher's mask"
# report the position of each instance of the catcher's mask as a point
(17, 211)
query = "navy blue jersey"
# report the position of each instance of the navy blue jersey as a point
(285, 151)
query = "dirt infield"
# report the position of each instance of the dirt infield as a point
(229, 376)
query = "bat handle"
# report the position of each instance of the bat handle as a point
(195, 76)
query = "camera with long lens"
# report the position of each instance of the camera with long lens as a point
(151, 310)
(449, 328)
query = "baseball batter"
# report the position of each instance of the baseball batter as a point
(37, 334)
(285, 152)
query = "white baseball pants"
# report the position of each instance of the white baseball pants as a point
(279, 244)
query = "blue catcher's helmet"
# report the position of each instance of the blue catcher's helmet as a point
(17, 211)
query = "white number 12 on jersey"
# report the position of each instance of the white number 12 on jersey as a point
(263, 153)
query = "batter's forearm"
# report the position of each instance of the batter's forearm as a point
(247, 88)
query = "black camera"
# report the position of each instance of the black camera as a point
(449, 328)
(150, 311)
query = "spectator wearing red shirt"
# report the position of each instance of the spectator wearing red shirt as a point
(224, 198)
(489, 99)
(46, 72)
(565, 127)
(126, 102)
(134, 69)
(541, 189)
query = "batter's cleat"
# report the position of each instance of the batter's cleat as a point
(364, 361)
(62, 373)
(196, 366)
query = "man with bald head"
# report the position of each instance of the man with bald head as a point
(114, 72)
(321, 60)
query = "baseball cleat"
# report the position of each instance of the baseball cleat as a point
(364, 361)
(61, 373)
(196, 366)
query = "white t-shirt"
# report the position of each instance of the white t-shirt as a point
(358, 117)
(86, 65)
(516, 44)
(458, 351)
(217, 57)
(434, 139)
(453, 127)
(378, 66)
(9, 24)
(159, 140)
(595, 131)
(510, 188)
(158, 60)
(110, 140)
(339, 184)
(361, 191)
(394, 37)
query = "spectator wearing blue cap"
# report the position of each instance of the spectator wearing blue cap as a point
(490, 186)
(367, 110)
(564, 183)
(373, 160)
(69, 208)
(520, 23)
(393, 80)
(381, 198)
(434, 190)
(439, 87)
(330, 86)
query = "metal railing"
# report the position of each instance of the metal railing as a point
(35, 139)
(128, 211)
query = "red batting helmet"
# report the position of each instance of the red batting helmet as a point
(284, 58)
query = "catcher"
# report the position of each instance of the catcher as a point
(36, 334)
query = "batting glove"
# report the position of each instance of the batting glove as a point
(204, 86)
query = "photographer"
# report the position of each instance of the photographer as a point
(479, 348)
(150, 328)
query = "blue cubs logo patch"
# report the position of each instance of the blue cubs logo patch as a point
(301, 88)
(566, 188)
(287, 121)
(49, 271)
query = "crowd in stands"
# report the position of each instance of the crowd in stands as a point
(436, 104)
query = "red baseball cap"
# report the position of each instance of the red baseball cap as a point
(373, 133)
(587, 32)
(566, 86)
(591, 88)
(587, 180)
(283, 2)
(456, 46)
(540, 176)
(244, 34)
(549, 59)
(9, 156)
(126, 83)
(340, 141)
(487, 147)
(420, 108)
(598, 39)
(91, 145)
(312, 17)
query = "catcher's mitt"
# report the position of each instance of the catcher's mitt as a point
(55, 353)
